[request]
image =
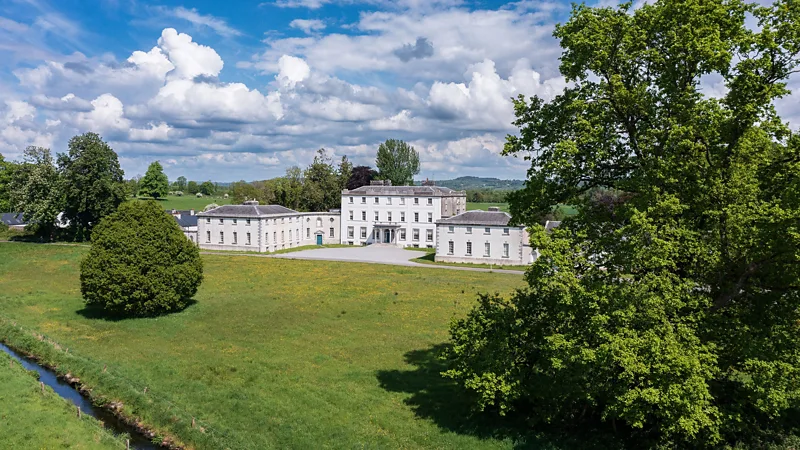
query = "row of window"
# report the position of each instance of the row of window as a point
(401, 234)
(487, 249)
(274, 221)
(487, 230)
(389, 216)
(331, 233)
(377, 201)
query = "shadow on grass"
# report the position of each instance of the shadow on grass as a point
(94, 312)
(449, 406)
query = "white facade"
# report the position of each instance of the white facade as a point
(482, 237)
(265, 229)
(404, 216)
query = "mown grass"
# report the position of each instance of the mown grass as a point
(430, 258)
(190, 201)
(30, 419)
(275, 353)
(485, 206)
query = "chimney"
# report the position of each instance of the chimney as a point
(494, 209)
(173, 212)
(191, 212)
(387, 182)
(376, 182)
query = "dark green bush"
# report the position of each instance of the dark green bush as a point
(140, 263)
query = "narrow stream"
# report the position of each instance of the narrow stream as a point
(66, 391)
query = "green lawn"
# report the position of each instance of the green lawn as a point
(485, 206)
(30, 419)
(190, 201)
(274, 354)
(430, 259)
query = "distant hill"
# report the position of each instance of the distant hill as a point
(465, 183)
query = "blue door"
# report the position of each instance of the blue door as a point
(319, 239)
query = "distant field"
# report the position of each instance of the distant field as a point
(485, 206)
(276, 353)
(30, 419)
(190, 202)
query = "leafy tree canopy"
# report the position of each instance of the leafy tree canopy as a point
(398, 162)
(181, 183)
(6, 175)
(206, 188)
(92, 182)
(361, 176)
(35, 190)
(669, 305)
(192, 187)
(155, 183)
(140, 263)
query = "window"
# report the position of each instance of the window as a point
(505, 231)
(297, 234)
(389, 216)
(469, 248)
(248, 238)
(416, 217)
(487, 230)
(208, 220)
(290, 235)
(221, 237)
(377, 201)
(221, 221)
(416, 201)
(351, 199)
(350, 233)
(377, 216)
(235, 238)
(319, 222)
(469, 230)
(308, 233)
(266, 238)
(450, 248)
(430, 217)
(351, 215)
(388, 200)
(415, 234)
(429, 235)
(363, 199)
(402, 217)
(331, 232)
(275, 236)
(363, 215)
(234, 221)
(430, 201)
(208, 236)
(487, 249)
(283, 219)
(283, 236)
(363, 232)
(247, 222)
(402, 200)
(403, 234)
(451, 229)
(505, 250)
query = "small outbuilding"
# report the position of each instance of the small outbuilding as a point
(482, 237)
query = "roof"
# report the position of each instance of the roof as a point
(490, 218)
(247, 211)
(12, 218)
(550, 225)
(186, 220)
(431, 191)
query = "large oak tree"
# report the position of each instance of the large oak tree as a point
(669, 306)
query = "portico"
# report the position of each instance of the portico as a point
(386, 232)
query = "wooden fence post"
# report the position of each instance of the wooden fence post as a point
(79, 412)
(41, 383)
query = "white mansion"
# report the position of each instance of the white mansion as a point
(264, 228)
(404, 216)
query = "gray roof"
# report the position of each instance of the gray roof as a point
(12, 218)
(430, 191)
(247, 211)
(550, 225)
(186, 220)
(489, 218)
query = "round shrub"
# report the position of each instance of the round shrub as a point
(140, 263)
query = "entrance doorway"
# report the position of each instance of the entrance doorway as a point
(319, 239)
(387, 237)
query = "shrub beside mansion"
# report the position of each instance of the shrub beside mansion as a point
(402, 216)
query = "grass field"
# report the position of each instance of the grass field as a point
(485, 206)
(274, 354)
(430, 259)
(30, 419)
(190, 202)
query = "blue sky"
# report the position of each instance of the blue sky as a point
(229, 90)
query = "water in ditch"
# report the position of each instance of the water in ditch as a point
(48, 377)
